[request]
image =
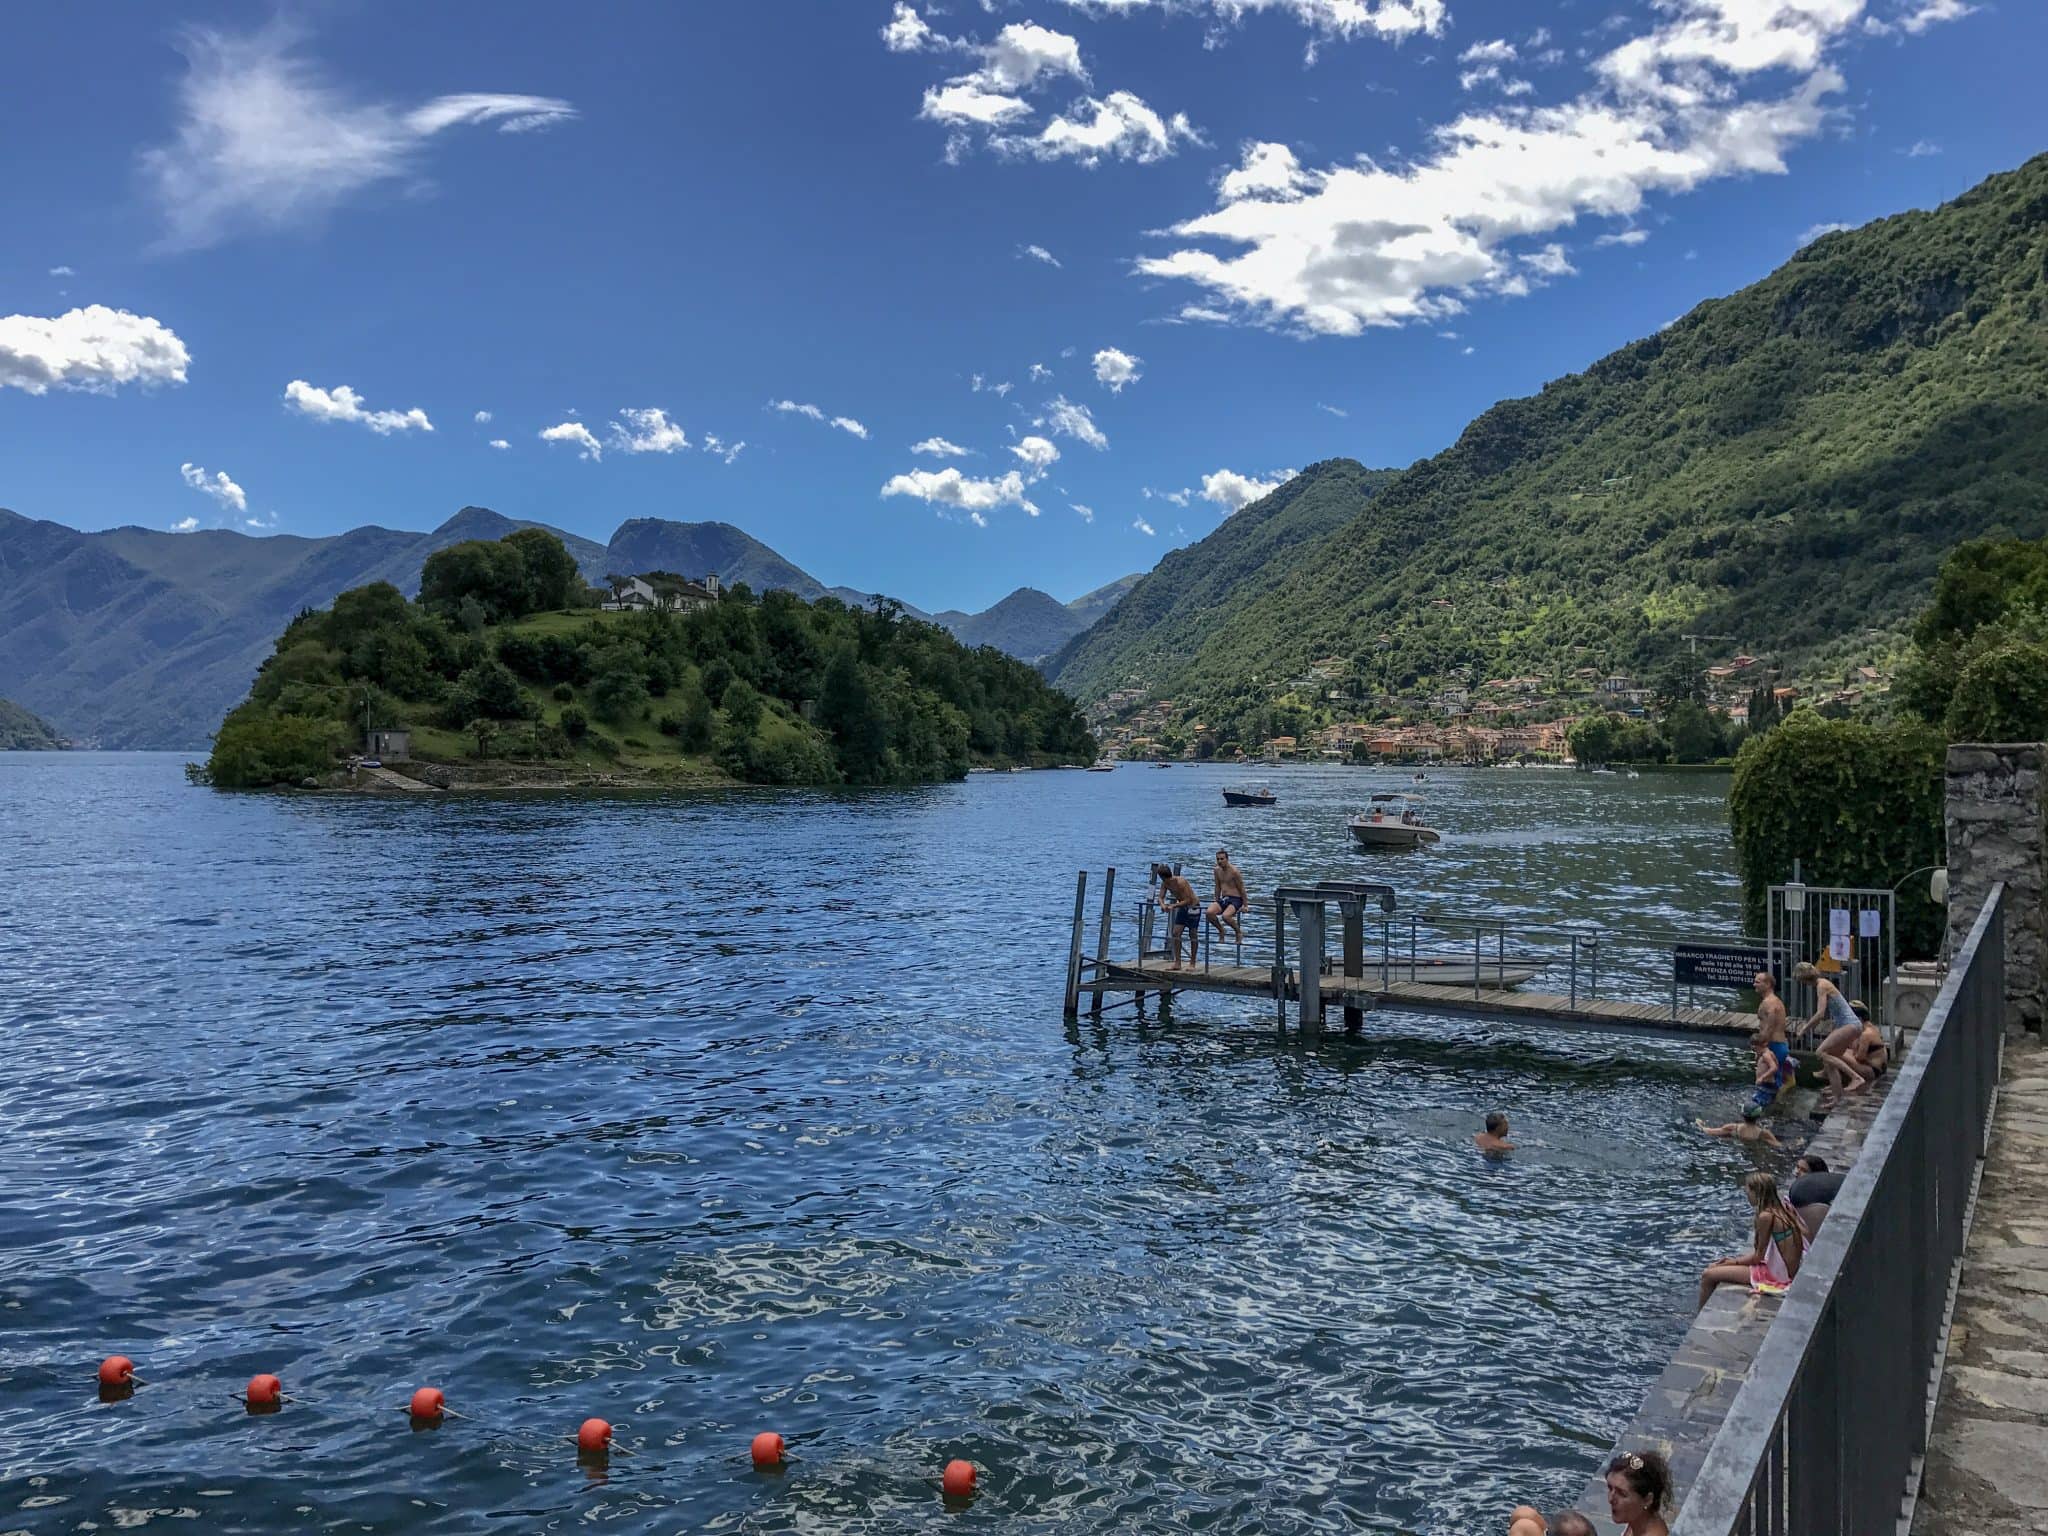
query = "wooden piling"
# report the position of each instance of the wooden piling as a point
(1102, 937)
(1353, 912)
(1073, 1003)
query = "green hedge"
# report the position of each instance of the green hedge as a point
(1857, 805)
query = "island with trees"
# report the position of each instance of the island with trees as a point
(509, 670)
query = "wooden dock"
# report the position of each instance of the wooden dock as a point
(1369, 994)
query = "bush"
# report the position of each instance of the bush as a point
(2002, 695)
(563, 693)
(1857, 805)
(670, 724)
(619, 695)
(575, 724)
(253, 752)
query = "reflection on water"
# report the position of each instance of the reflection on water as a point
(728, 1113)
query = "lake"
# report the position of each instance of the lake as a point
(748, 1111)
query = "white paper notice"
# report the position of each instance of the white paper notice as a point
(1838, 922)
(1867, 922)
(1838, 946)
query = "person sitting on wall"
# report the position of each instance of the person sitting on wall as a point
(1495, 1137)
(1528, 1521)
(1638, 1492)
(1813, 1191)
(1845, 1073)
(1777, 1243)
(1748, 1129)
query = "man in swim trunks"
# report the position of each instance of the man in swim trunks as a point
(1228, 907)
(1747, 1129)
(1495, 1137)
(1770, 1039)
(1183, 910)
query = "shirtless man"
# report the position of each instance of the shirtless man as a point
(1770, 1038)
(1495, 1137)
(1746, 1129)
(1228, 907)
(1183, 910)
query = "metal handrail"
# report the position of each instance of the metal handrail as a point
(1825, 1433)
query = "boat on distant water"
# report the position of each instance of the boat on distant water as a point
(1103, 765)
(1393, 821)
(1162, 765)
(1250, 797)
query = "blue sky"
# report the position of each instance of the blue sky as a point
(1202, 243)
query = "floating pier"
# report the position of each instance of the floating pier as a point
(1484, 979)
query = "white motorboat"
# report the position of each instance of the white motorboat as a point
(1103, 765)
(1393, 821)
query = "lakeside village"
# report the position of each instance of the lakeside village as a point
(1690, 714)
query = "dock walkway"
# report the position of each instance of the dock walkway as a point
(1370, 992)
(1987, 1463)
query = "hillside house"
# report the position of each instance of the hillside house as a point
(656, 591)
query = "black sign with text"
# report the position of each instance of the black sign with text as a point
(1718, 965)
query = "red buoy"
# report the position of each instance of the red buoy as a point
(427, 1405)
(959, 1479)
(594, 1437)
(768, 1449)
(265, 1391)
(117, 1371)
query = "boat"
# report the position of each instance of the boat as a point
(1250, 797)
(1420, 778)
(1608, 772)
(1633, 774)
(1393, 821)
(1103, 765)
(1162, 765)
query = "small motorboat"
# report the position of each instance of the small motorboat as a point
(1393, 821)
(1162, 765)
(1103, 765)
(1250, 797)
(1420, 778)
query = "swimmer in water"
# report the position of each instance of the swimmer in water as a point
(1747, 1129)
(1527, 1521)
(1495, 1137)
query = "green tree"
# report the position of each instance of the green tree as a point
(575, 723)
(2001, 695)
(848, 714)
(253, 750)
(743, 707)
(1593, 739)
(362, 611)
(619, 694)
(489, 689)
(492, 572)
(1691, 730)
(552, 580)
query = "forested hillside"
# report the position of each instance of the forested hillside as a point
(1785, 467)
(1192, 594)
(21, 731)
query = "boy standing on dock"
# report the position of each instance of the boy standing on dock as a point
(1183, 910)
(1228, 906)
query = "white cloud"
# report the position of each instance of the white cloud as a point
(1469, 351)
(999, 390)
(1357, 244)
(1264, 170)
(264, 141)
(343, 404)
(217, 485)
(1142, 526)
(500, 443)
(1231, 491)
(1624, 237)
(1471, 78)
(1179, 498)
(185, 525)
(1498, 51)
(941, 448)
(1549, 261)
(647, 429)
(1067, 419)
(949, 488)
(791, 407)
(62, 272)
(574, 432)
(718, 446)
(1334, 410)
(1040, 373)
(1120, 126)
(1087, 513)
(1933, 13)
(481, 417)
(94, 349)
(1038, 253)
(1814, 231)
(1038, 453)
(849, 425)
(908, 32)
(1920, 149)
(1116, 369)
(966, 102)
(1344, 19)
(267, 520)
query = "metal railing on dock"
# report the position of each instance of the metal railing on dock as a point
(1826, 1435)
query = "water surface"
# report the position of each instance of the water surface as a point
(720, 1113)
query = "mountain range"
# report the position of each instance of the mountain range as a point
(1779, 472)
(138, 639)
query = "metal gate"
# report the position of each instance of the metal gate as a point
(1849, 933)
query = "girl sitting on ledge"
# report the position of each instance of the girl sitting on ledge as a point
(1777, 1244)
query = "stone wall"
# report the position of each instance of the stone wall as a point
(1997, 831)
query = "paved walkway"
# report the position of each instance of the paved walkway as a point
(1987, 1466)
